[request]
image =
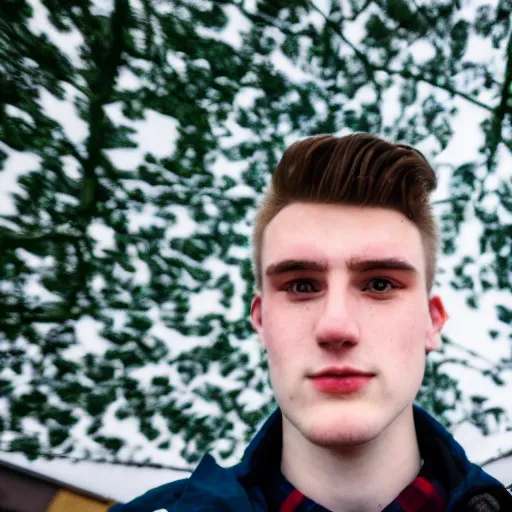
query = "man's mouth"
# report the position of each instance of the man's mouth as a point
(341, 371)
(341, 380)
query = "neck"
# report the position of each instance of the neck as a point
(362, 478)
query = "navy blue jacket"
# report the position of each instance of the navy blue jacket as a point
(238, 489)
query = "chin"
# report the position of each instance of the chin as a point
(340, 426)
(336, 435)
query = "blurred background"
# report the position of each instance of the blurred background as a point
(136, 137)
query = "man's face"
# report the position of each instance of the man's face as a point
(329, 300)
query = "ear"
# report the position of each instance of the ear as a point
(438, 317)
(257, 317)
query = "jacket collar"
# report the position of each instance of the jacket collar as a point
(238, 488)
(214, 488)
(240, 485)
(464, 479)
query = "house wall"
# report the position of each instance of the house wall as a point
(65, 501)
(23, 493)
(20, 492)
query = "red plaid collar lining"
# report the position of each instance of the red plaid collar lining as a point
(422, 495)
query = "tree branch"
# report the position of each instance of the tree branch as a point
(421, 78)
(501, 455)
(463, 197)
(356, 14)
(400, 72)
(102, 90)
(11, 240)
(47, 313)
(495, 130)
(494, 365)
(114, 461)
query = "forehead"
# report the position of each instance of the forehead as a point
(337, 233)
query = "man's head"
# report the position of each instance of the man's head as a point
(345, 253)
(360, 170)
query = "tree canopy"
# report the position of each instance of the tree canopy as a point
(135, 140)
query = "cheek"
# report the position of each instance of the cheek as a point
(405, 332)
(284, 335)
(410, 346)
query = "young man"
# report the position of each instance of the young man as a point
(345, 247)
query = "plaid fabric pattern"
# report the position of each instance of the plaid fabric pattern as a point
(424, 494)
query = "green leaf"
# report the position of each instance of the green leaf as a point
(400, 11)
(460, 34)
(504, 314)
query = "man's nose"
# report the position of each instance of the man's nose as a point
(337, 323)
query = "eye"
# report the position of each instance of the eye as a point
(301, 287)
(380, 285)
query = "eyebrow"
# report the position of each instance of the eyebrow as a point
(286, 266)
(353, 265)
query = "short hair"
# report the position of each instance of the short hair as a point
(360, 169)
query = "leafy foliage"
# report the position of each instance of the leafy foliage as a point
(102, 286)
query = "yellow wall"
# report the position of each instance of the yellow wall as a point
(67, 501)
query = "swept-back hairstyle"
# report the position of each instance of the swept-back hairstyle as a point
(360, 170)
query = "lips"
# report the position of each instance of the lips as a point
(345, 371)
(341, 380)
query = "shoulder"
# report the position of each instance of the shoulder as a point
(159, 498)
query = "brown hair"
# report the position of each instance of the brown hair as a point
(361, 170)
